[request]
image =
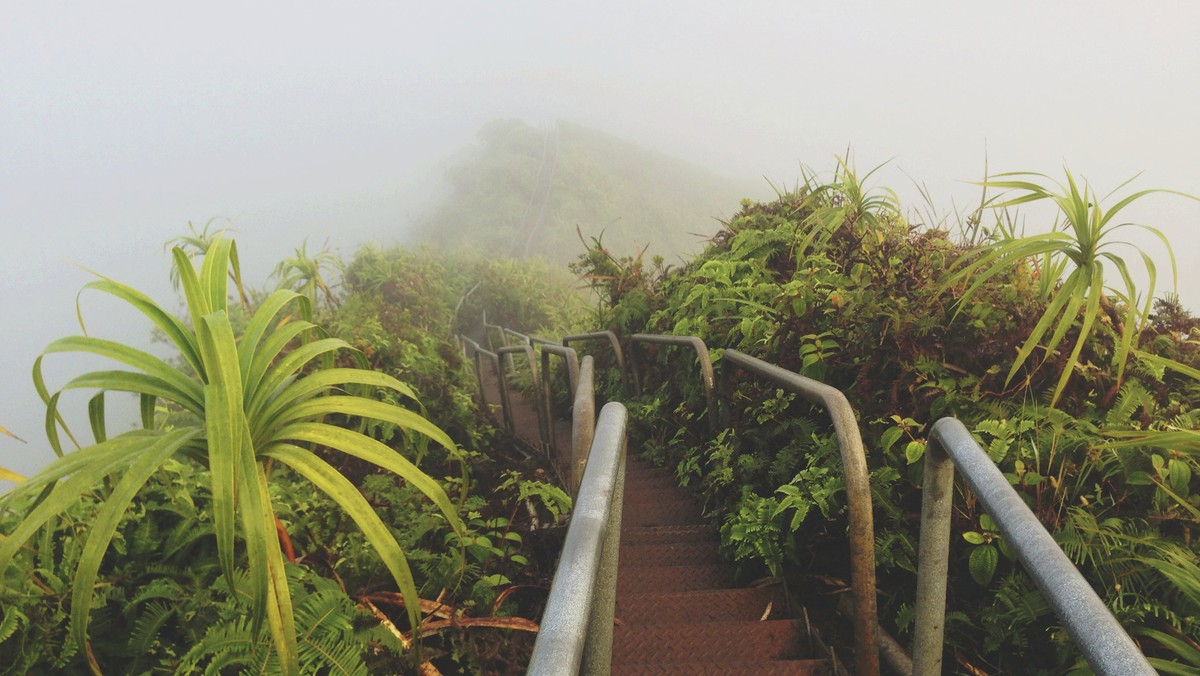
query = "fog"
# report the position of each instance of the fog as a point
(121, 122)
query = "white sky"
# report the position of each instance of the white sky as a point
(120, 122)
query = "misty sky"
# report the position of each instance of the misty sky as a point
(121, 122)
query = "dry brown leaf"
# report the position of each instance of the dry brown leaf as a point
(383, 619)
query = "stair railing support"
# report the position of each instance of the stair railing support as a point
(858, 494)
(613, 343)
(576, 630)
(705, 362)
(583, 423)
(1101, 639)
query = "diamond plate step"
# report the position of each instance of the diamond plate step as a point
(667, 534)
(669, 554)
(671, 578)
(721, 642)
(640, 515)
(693, 607)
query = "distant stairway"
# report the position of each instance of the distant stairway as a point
(677, 609)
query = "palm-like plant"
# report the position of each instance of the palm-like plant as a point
(1079, 246)
(303, 273)
(253, 408)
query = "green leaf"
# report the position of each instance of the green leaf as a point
(336, 486)
(914, 450)
(224, 422)
(364, 447)
(982, 563)
(889, 438)
(973, 537)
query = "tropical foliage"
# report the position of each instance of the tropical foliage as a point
(1071, 261)
(831, 281)
(250, 409)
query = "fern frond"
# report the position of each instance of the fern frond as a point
(148, 624)
(13, 620)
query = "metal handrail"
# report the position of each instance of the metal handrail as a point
(1104, 643)
(577, 626)
(612, 343)
(487, 333)
(706, 368)
(858, 492)
(583, 423)
(510, 350)
(572, 359)
(504, 400)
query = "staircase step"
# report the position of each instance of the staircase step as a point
(671, 578)
(641, 515)
(637, 494)
(762, 668)
(694, 607)
(668, 554)
(718, 642)
(640, 535)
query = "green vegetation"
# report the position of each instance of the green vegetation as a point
(1083, 245)
(523, 192)
(830, 281)
(198, 542)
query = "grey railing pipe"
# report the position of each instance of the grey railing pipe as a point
(583, 423)
(569, 355)
(706, 369)
(533, 372)
(612, 343)
(487, 333)
(858, 495)
(480, 353)
(577, 625)
(1101, 639)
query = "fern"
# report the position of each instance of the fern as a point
(1132, 396)
(13, 620)
(147, 627)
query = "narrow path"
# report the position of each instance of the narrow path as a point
(678, 611)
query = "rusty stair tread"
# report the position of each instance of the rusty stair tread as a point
(672, 578)
(702, 605)
(759, 668)
(668, 554)
(710, 642)
(666, 534)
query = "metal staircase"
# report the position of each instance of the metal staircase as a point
(640, 587)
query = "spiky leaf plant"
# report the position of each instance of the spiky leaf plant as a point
(303, 273)
(254, 401)
(1079, 246)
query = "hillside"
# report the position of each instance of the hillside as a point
(522, 191)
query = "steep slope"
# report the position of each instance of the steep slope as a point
(523, 191)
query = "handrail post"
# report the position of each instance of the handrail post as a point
(933, 560)
(858, 495)
(572, 359)
(612, 343)
(583, 423)
(1101, 639)
(706, 368)
(597, 652)
(533, 372)
(577, 626)
(480, 352)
